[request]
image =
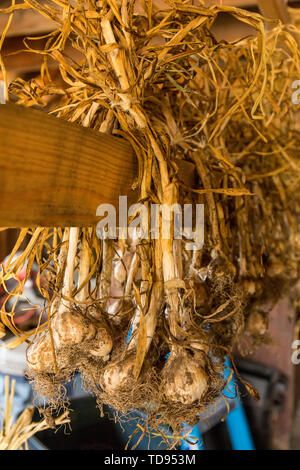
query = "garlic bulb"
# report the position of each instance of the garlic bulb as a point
(103, 341)
(40, 355)
(257, 324)
(118, 375)
(71, 327)
(185, 380)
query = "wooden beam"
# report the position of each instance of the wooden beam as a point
(25, 22)
(278, 10)
(55, 173)
(234, 3)
(16, 59)
(228, 28)
(275, 9)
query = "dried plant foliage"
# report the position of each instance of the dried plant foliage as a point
(15, 436)
(158, 78)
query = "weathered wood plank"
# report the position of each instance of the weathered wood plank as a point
(55, 173)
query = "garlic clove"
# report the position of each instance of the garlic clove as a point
(104, 343)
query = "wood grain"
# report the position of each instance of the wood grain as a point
(25, 22)
(55, 173)
(275, 9)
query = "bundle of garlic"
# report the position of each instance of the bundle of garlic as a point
(150, 322)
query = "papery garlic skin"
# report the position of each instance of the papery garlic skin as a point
(118, 375)
(185, 380)
(71, 328)
(40, 354)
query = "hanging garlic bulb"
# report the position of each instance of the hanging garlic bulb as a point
(185, 379)
(257, 324)
(40, 355)
(98, 329)
(70, 326)
(118, 375)
(103, 342)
